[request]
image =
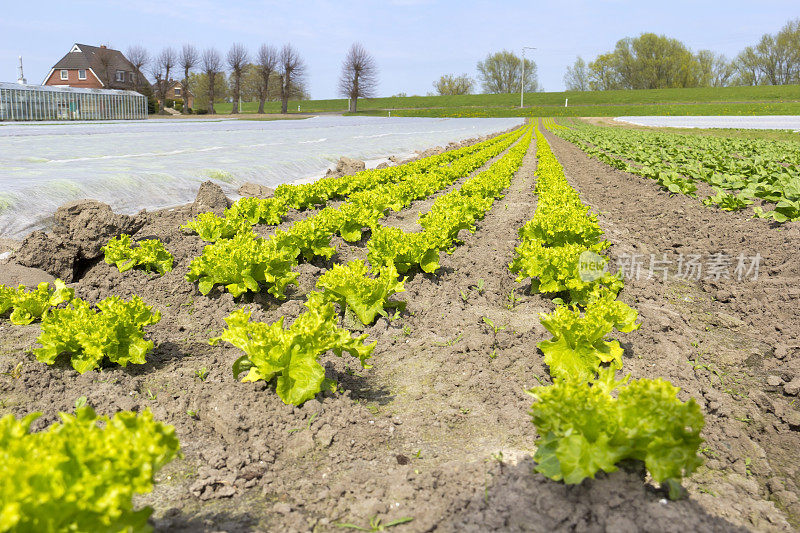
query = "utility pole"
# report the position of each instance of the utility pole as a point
(522, 81)
(21, 79)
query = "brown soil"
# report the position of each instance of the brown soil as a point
(438, 429)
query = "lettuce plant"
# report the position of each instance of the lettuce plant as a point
(726, 201)
(258, 211)
(584, 429)
(81, 474)
(244, 261)
(393, 246)
(212, 228)
(555, 269)
(351, 286)
(563, 224)
(150, 254)
(290, 355)
(311, 237)
(358, 215)
(785, 210)
(578, 347)
(113, 330)
(27, 306)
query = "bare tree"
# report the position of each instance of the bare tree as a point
(237, 62)
(291, 70)
(359, 76)
(267, 66)
(501, 72)
(160, 69)
(188, 60)
(105, 60)
(139, 58)
(212, 65)
(157, 71)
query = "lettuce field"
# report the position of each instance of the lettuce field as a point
(557, 327)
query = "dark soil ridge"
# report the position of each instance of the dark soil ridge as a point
(417, 435)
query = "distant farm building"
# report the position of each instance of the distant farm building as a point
(37, 102)
(174, 92)
(93, 67)
(89, 83)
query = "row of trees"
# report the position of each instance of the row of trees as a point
(500, 72)
(270, 74)
(652, 61)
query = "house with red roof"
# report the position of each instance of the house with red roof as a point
(93, 67)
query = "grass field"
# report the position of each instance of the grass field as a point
(761, 100)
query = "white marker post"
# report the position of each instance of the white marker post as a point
(566, 102)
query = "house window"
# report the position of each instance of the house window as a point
(81, 74)
(177, 91)
(120, 75)
(64, 74)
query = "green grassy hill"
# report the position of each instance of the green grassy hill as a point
(761, 100)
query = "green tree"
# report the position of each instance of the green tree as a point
(501, 72)
(747, 69)
(603, 74)
(714, 70)
(576, 78)
(652, 61)
(450, 84)
(774, 60)
(254, 88)
(199, 81)
(778, 56)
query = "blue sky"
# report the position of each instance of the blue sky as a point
(413, 41)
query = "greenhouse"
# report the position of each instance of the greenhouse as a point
(41, 102)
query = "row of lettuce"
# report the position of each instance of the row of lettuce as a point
(587, 420)
(291, 356)
(740, 171)
(81, 474)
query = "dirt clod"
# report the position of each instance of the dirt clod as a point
(256, 190)
(347, 166)
(210, 197)
(80, 230)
